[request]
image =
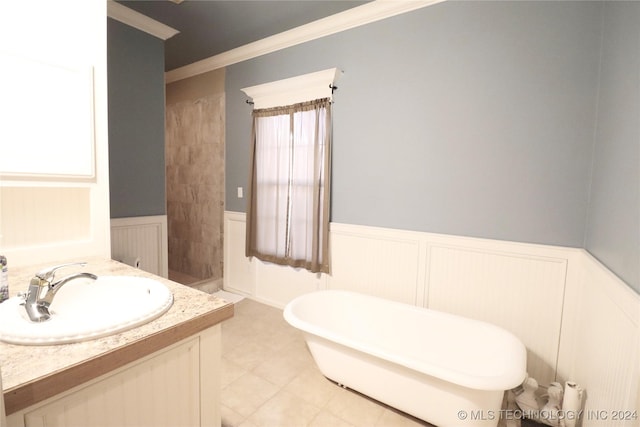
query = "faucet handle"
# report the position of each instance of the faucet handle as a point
(49, 272)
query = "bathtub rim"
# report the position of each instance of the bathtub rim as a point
(506, 380)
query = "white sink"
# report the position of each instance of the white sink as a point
(85, 309)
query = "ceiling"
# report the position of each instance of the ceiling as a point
(210, 27)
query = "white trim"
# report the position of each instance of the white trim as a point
(138, 20)
(351, 18)
(289, 91)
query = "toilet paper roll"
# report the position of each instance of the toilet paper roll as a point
(572, 403)
(132, 261)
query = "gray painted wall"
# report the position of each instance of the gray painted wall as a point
(136, 122)
(613, 232)
(465, 118)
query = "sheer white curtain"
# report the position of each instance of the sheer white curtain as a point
(288, 213)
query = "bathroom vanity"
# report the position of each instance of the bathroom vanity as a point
(163, 373)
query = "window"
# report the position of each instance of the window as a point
(288, 211)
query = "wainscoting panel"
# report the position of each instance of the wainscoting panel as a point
(375, 262)
(34, 216)
(144, 238)
(239, 275)
(278, 284)
(504, 289)
(602, 349)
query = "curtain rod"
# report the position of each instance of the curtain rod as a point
(331, 86)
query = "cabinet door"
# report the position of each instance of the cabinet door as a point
(162, 391)
(46, 116)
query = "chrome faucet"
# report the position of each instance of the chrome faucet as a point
(42, 289)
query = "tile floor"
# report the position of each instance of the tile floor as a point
(269, 379)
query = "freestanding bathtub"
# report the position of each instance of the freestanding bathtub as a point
(444, 369)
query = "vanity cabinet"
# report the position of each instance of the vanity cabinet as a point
(176, 386)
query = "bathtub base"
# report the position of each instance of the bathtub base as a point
(425, 397)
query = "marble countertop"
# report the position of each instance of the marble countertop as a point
(28, 372)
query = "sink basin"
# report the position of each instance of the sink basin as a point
(85, 309)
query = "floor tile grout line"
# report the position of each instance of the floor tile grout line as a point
(253, 311)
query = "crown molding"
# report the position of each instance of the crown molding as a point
(138, 20)
(351, 18)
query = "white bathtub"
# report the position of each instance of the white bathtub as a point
(447, 370)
